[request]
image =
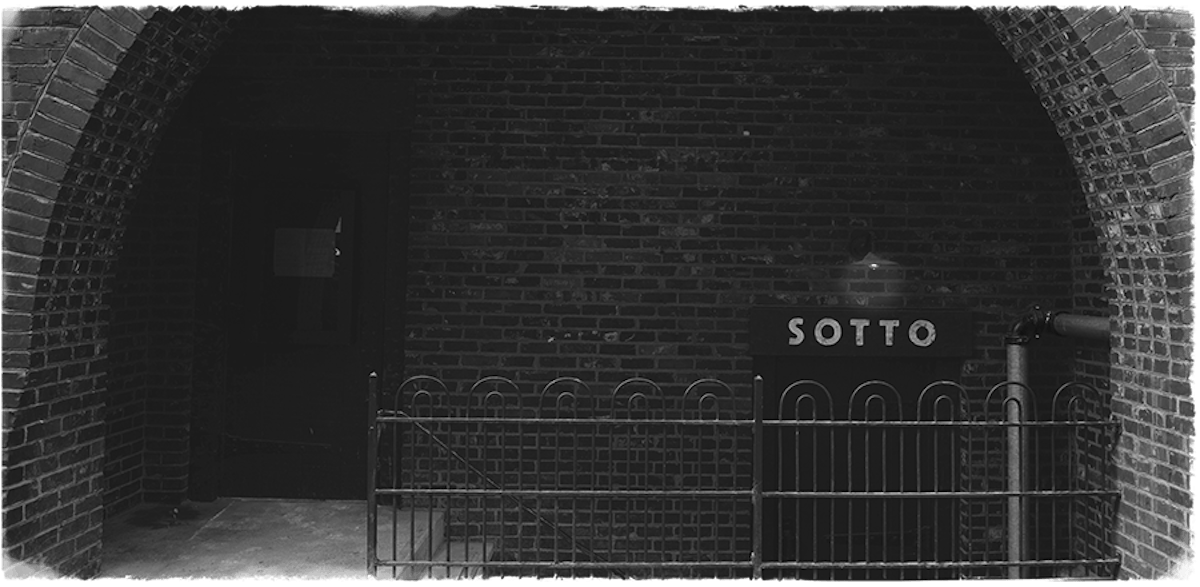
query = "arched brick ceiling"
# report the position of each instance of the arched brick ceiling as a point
(82, 130)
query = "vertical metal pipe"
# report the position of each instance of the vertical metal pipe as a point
(372, 447)
(757, 554)
(1015, 404)
(398, 476)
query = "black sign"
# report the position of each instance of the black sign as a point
(839, 332)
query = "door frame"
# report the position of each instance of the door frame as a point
(229, 107)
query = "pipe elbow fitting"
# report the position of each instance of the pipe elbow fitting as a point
(1029, 327)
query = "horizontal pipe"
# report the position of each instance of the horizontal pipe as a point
(735, 493)
(1030, 326)
(576, 493)
(769, 423)
(1074, 325)
(387, 417)
(629, 565)
(941, 494)
(937, 564)
(765, 565)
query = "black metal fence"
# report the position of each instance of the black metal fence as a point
(639, 483)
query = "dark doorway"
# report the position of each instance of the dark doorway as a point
(308, 273)
(854, 460)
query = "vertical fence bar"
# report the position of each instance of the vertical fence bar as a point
(757, 555)
(483, 499)
(398, 478)
(796, 505)
(537, 544)
(372, 463)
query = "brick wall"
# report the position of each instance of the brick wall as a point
(1169, 36)
(607, 193)
(151, 335)
(34, 44)
(1090, 528)
(592, 179)
(83, 132)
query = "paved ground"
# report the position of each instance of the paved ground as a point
(238, 538)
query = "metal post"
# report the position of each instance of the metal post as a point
(372, 448)
(757, 555)
(1015, 408)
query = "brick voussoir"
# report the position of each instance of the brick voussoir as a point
(64, 113)
(54, 129)
(1178, 145)
(1167, 130)
(133, 20)
(29, 182)
(1096, 27)
(104, 24)
(99, 44)
(28, 203)
(77, 96)
(91, 61)
(1134, 82)
(81, 76)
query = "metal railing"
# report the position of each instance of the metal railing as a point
(639, 483)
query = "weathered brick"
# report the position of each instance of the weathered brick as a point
(101, 45)
(25, 55)
(54, 130)
(47, 17)
(46, 169)
(48, 36)
(1173, 20)
(798, 154)
(104, 23)
(91, 61)
(81, 76)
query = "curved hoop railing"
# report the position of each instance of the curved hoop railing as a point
(584, 469)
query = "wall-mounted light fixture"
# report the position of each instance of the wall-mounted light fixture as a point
(874, 261)
(862, 248)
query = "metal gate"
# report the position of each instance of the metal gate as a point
(641, 483)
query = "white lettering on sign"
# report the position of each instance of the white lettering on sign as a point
(832, 339)
(889, 328)
(797, 335)
(930, 333)
(828, 331)
(859, 324)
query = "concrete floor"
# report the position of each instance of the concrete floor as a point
(238, 538)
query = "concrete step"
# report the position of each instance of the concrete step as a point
(461, 551)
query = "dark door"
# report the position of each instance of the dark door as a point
(855, 460)
(308, 264)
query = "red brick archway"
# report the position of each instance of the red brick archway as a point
(1109, 80)
(91, 91)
